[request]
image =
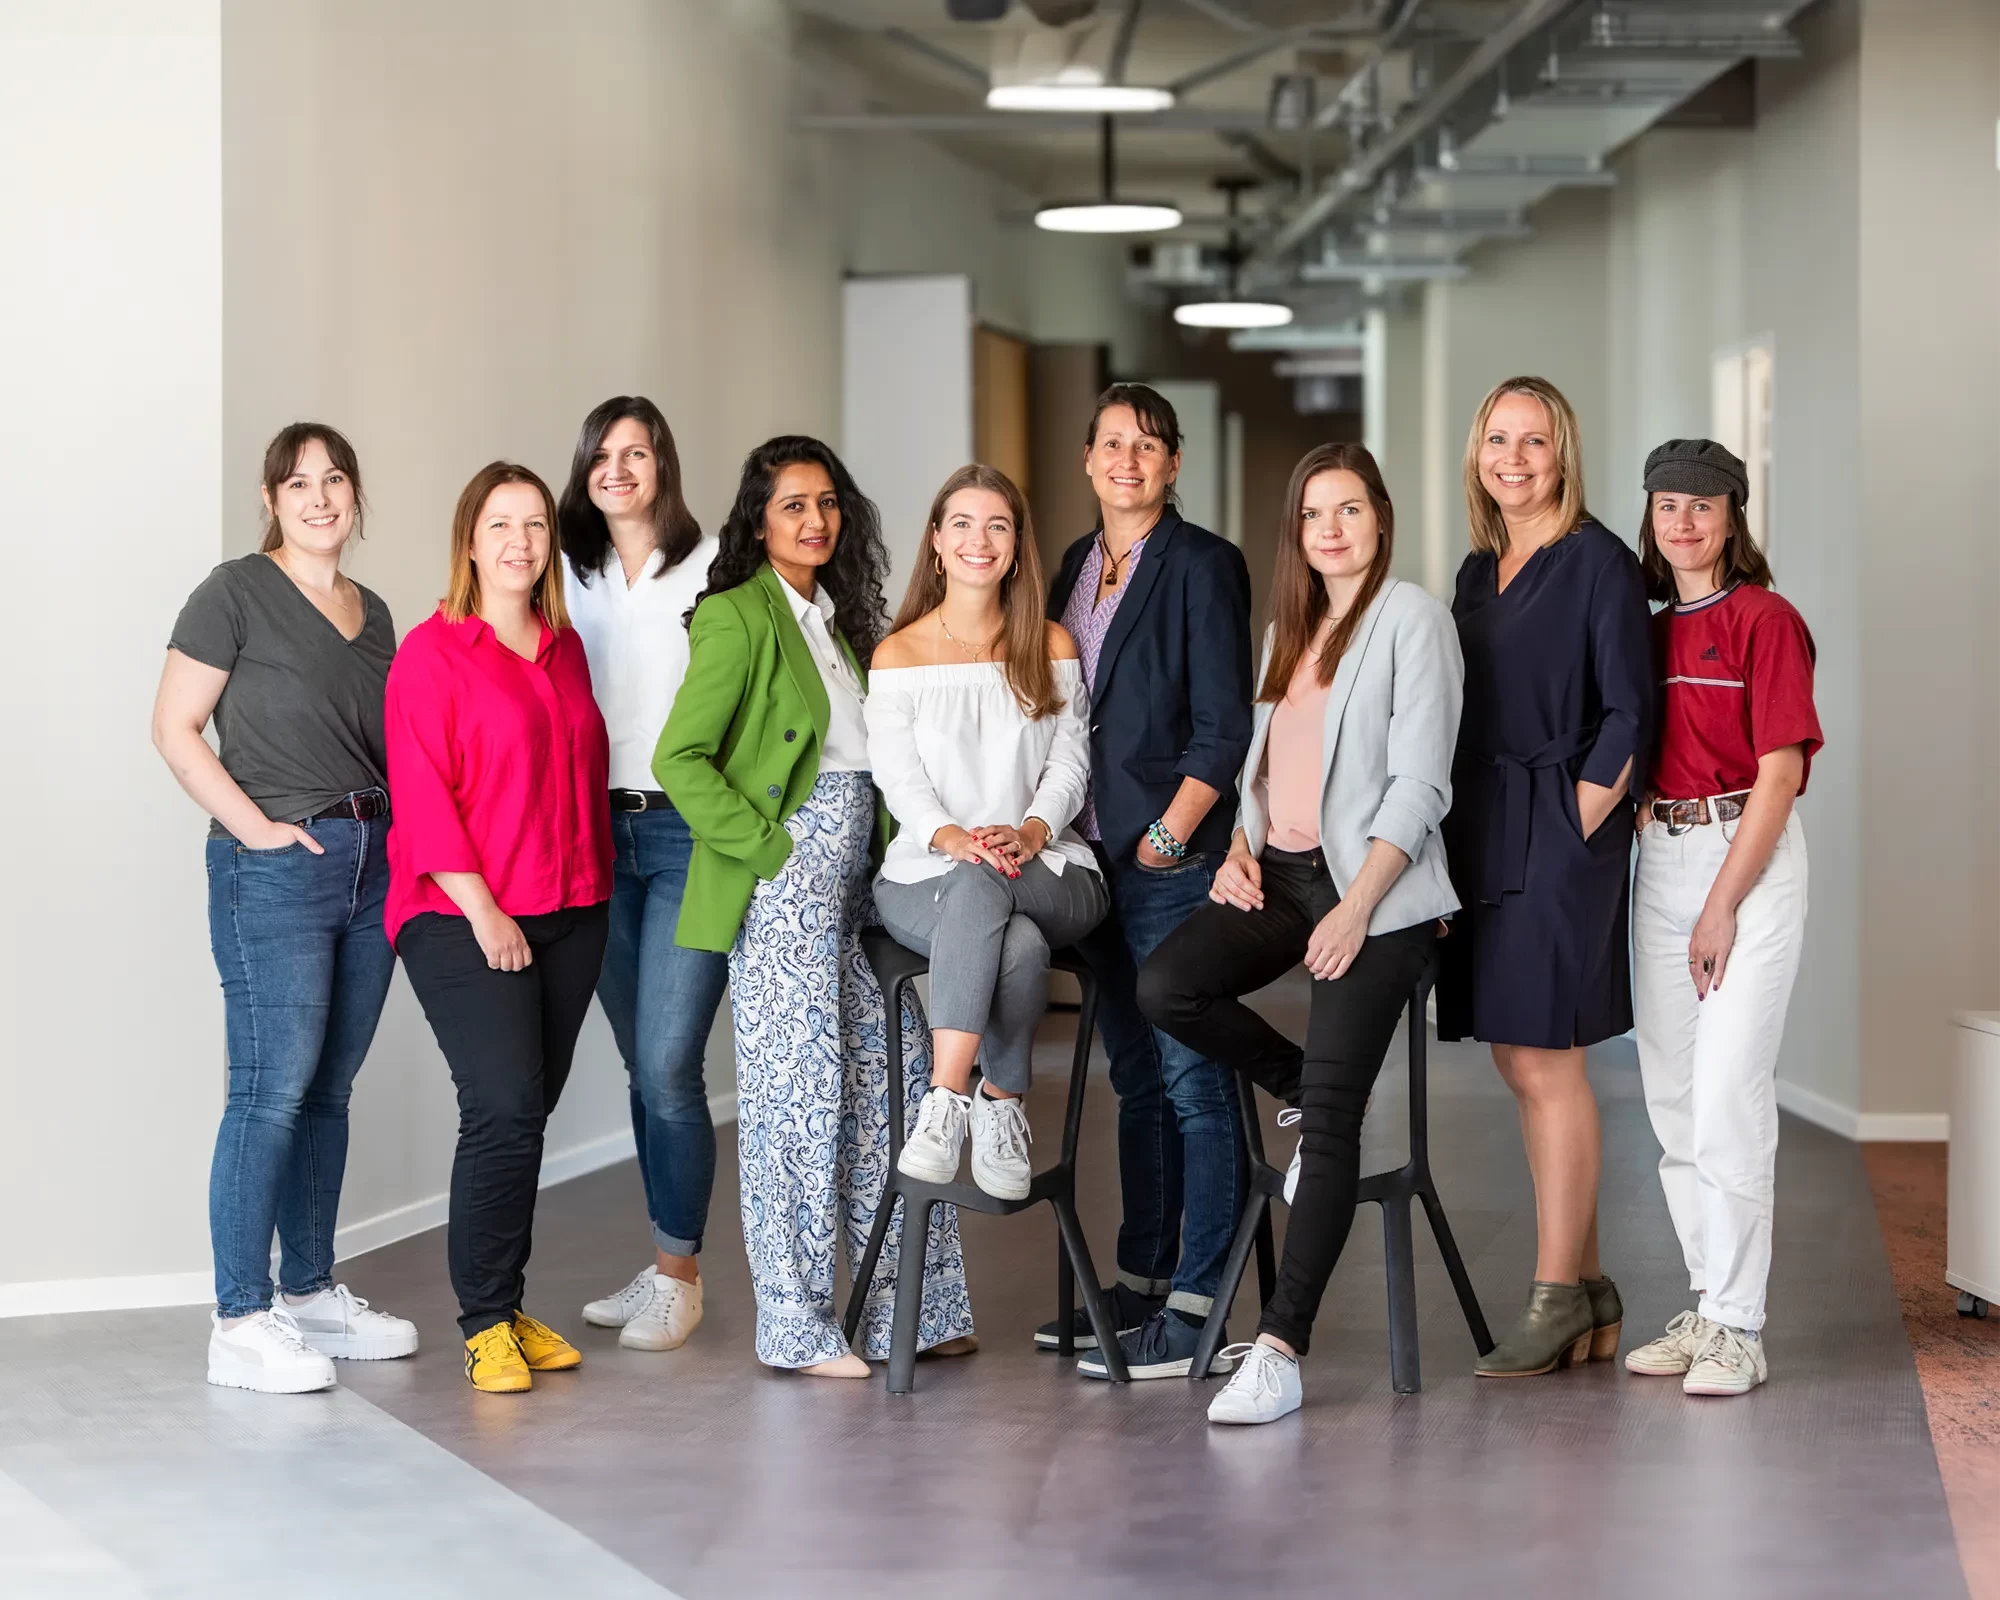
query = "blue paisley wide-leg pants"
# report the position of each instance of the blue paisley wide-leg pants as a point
(812, 1094)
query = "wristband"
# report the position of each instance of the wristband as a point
(1164, 843)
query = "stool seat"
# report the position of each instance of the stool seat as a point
(1392, 1191)
(896, 967)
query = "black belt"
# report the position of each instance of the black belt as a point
(639, 800)
(363, 806)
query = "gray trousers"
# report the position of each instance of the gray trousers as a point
(989, 938)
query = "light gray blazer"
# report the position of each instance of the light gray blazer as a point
(1391, 730)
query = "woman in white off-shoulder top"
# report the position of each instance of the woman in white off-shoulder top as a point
(978, 739)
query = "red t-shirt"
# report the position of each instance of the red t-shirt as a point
(497, 766)
(1736, 673)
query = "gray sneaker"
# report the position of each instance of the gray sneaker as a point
(1670, 1355)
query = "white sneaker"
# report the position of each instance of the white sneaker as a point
(1670, 1355)
(1727, 1363)
(1289, 1118)
(1264, 1388)
(672, 1311)
(336, 1322)
(931, 1153)
(620, 1308)
(266, 1353)
(1000, 1140)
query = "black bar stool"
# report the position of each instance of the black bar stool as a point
(896, 968)
(1393, 1191)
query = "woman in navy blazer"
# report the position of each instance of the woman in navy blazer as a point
(1160, 610)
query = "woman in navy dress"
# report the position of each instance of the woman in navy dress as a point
(1552, 617)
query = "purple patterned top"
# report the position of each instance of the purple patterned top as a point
(1088, 620)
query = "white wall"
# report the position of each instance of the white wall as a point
(111, 424)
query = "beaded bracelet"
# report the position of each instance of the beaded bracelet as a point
(1164, 843)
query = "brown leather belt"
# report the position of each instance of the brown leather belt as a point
(1681, 815)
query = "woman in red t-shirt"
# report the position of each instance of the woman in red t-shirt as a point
(1720, 893)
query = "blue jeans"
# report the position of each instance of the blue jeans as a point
(660, 1000)
(1181, 1167)
(305, 968)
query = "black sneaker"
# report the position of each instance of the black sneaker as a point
(1163, 1347)
(1128, 1309)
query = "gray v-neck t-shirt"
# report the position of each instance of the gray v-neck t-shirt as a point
(299, 724)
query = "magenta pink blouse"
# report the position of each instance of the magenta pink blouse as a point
(497, 766)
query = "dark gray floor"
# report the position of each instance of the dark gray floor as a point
(719, 1478)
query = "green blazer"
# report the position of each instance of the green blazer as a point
(740, 751)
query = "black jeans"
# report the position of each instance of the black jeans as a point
(1192, 988)
(508, 1038)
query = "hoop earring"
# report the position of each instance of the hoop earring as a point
(938, 561)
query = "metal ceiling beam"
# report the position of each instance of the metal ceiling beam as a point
(1181, 120)
(1121, 45)
(1259, 155)
(1228, 16)
(937, 54)
(1274, 40)
(1526, 18)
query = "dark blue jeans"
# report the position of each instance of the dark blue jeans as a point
(1180, 1143)
(660, 1000)
(305, 968)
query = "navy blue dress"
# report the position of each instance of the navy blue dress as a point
(1558, 688)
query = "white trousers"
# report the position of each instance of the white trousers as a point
(1710, 1067)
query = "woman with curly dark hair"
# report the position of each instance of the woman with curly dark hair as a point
(766, 756)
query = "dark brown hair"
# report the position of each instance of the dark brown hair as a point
(586, 537)
(1740, 562)
(461, 597)
(1024, 632)
(281, 460)
(1156, 416)
(1298, 596)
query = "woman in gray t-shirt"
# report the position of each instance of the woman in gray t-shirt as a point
(290, 659)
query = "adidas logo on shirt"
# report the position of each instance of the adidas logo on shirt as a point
(1711, 654)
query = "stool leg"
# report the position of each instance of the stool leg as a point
(1454, 1263)
(1255, 1210)
(909, 1296)
(1405, 1371)
(864, 1274)
(1065, 1292)
(1077, 1252)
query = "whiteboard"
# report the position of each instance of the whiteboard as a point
(906, 400)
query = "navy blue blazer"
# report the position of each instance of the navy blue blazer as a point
(1172, 694)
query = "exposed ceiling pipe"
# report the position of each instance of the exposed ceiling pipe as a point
(1376, 56)
(1488, 54)
(1121, 46)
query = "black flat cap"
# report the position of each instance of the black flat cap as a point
(1696, 466)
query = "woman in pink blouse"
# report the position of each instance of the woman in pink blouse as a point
(499, 871)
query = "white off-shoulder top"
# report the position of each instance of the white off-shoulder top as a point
(950, 745)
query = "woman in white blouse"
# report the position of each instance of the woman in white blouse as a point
(977, 735)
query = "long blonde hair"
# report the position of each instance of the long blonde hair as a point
(1023, 600)
(1482, 512)
(461, 597)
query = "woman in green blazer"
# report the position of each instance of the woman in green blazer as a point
(766, 757)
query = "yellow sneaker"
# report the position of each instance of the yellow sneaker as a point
(542, 1347)
(493, 1361)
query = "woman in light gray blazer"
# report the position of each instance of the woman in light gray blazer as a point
(1336, 862)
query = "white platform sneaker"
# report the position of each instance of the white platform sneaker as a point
(1000, 1140)
(614, 1311)
(672, 1311)
(266, 1353)
(1729, 1362)
(930, 1155)
(1670, 1355)
(339, 1323)
(1263, 1388)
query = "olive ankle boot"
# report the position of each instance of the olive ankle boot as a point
(1554, 1331)
(1607, 1317)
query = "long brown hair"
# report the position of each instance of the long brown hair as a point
(281, 459)
(1023, 600)
(586, 536)
(1482, 511)
(1740, 562)
(461, 598)
(1298, 596)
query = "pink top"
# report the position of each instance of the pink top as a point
(497, 766)
(1294, 759)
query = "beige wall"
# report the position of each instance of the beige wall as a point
(111, 424)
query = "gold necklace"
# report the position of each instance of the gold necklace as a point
(971, 650)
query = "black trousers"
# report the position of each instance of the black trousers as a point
(509, 1038)
(1192, 988)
